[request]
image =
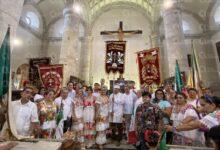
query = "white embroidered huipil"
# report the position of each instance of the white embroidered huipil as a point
(117, 108)
(129, 100)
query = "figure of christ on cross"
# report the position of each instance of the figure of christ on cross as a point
(121, 32)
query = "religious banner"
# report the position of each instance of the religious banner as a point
(33, 70)
(51, 77)
(149, 67)
(115, 56)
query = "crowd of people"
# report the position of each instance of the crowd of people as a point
(165, 116)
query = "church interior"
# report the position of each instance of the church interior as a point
(75, 35)
(68, 31)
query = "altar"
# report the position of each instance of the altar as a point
(121, 82)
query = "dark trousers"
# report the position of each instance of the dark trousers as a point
(117, 131)
(67, 124)
(142, 144)
(169, 138)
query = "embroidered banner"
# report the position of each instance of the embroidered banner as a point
(149, 67)
(51, 77)
(115, 56)
(33, 71)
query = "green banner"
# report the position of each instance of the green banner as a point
(5, 65)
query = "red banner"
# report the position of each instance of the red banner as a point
(115, 56)
(149, 67)
(33, 72)
(51, 77)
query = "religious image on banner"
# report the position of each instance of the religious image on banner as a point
(115, 56)
(33, 70)
(51, 77)
(149, 67)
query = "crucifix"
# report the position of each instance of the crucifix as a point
(121, 32)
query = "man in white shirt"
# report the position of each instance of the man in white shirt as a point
(71, 91)
(25, 113)
(138, 101)
(129, 100)
(64, 103)
(116, 110)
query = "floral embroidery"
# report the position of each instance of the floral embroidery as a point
(47, 112)
(184, 109)
(148, 116)
(89, 120)
(216, 114)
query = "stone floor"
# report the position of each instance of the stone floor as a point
(125, 146)
(47, 145)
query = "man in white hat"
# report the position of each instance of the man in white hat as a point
(116, 117)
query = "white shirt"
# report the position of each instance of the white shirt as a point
(72, 94)
(38, 97)
(133, 91)
(129, 100)
(67, 106)
(137, 103)
(23, 115)
(117, 107)
(96, 94)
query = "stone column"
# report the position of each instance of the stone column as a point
(207, 63)
(174, 36)
(91, 59)
(85, 58)
(10, 11)
(155, 40)
(69, 47)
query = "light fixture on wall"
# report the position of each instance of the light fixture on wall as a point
(17, 42)
(168, 4)
(76, 7)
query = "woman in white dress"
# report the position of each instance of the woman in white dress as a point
(102, 113)
(78, 117)
(89, 118)
(212, 107)
(182, 113)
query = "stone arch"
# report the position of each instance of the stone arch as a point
(192, 16)
(29, 7)
(96, 5)
(110, 6)
(209, 14)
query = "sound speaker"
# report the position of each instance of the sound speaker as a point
(189, 57)
(218, 49)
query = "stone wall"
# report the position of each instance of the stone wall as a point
(10, 12)
(29, 47)
(216, 38)
(54, 40)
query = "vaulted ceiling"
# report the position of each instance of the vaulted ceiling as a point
(52, 9)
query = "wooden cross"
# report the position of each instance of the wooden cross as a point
(121, 32)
